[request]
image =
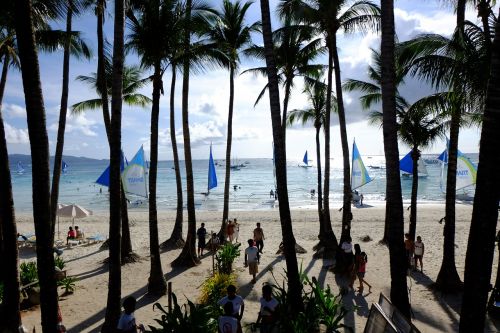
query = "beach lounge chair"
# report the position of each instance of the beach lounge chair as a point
(96, 239)
(385, 318)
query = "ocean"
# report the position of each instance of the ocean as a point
(250, 186)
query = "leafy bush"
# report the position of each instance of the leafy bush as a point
(226, 256)
(214, 288)
(59, 262)
(68, 284)
(189, 318)
(28, 272)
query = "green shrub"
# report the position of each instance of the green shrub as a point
(28, 272)
(59, 262)
(189, 318)
(68, 284)
(226, 256)
(214, 288)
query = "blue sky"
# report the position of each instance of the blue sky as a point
(208, 101)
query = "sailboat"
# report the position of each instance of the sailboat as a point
(20, 168)
(406, 167)
(212, 176)
(305, 162)
(65, 167)
(466, 174)
(134, 178)
(359, 174)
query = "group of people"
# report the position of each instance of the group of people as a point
(74, 234)
(414, 252)
(354, 264)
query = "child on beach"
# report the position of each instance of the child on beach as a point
(127, 324)
(201, 232)
(361, 261)
(227, 322)
(237, 304)
(252, 259)
(419, 253)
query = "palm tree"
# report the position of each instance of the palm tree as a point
(294, 284)
(460, 65)
(316, 94)
(81, 49)
(114, 282)
(394, 202)
(149, 37)
(40, 159)
(481, 243)
(330, 18)
(228, 31)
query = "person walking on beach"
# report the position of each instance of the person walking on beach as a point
(409, 246)
(237, 304)
(258, 237)
(347, 257)
(252, 259)
(127, 324)
(361, 197)
(236, 233)
(361, 261)
(230, 231)
(419, 253)
(201, 232)
(268, 307)
(227, 323)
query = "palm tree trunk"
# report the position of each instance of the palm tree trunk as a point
(415, 155)
(394, 202)
(114, 281)
(346, 207)
(176, 240)
(56, 175)
(285, 109)
(127, 253)
(39, 145)
(225, 212)
(9, 252)
(294, 285)
(156, 282)
(101, 71)
(188, 256)
(320, 190)
(481, 245)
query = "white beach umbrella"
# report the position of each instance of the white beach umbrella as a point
(59, 206)
(74, 211)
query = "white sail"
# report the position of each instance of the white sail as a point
(466, 171)
(134, 175)
(359, 174)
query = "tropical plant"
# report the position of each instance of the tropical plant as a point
(28, 272)
(226, 256)
(189, 318)
(215, 287)
(331, 18)
(115, 195)
(316, 94)
(459, 64)
(59, 262)
(481, 245)
(394, 202)
(230, 33)
(68, 284)
(280, 162)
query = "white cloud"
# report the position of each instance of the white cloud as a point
(16, 135)
(77, 123)
(14, 111)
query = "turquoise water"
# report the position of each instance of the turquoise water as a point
(254, 182)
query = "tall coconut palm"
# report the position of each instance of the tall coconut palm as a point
(460, 65)
(39, 144)
(294, 285)
(230, 33)
(331, 18)
(481, 243)
(316, 94)
(149, 37)
(394, 202)
(81, 50)
(114, 282)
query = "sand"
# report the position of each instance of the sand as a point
(84, 310)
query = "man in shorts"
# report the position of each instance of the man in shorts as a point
(258, 237)
(252, 259)
(202, 232)
(419, 253)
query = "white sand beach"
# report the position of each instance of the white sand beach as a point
(84, 310)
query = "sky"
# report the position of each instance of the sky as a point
(209, 96)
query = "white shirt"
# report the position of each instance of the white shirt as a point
(237, 303)
(252, 253)
(347, 247)
(419, 248)
(127, 322)
(271, 304)
(228, 324)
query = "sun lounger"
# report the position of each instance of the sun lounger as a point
(96, 238)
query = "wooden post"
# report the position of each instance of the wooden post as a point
(212, 246)
(169, 293)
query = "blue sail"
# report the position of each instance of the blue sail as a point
(212, 177)
(134, 175)
(65, 167)
(104, 177)
(305, 159)
(406, 163)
